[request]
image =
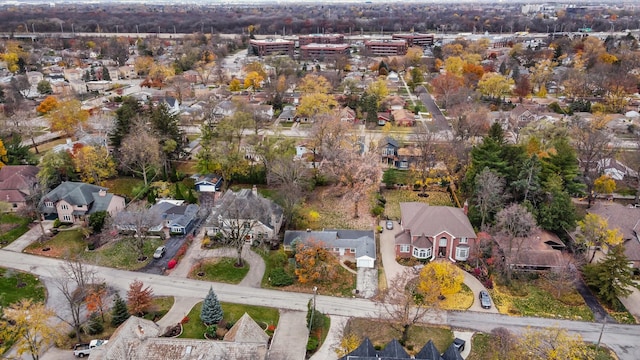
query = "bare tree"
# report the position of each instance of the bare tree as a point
(489, 188)
(140, 152)
(73, 280)
(516, 224)
(292, 179)
(425, 161)
(137, 218)
(404, 304)
(357, 173)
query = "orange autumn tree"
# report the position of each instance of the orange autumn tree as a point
(314, 262)
(139, 298)
(48, 104)
(95, 300)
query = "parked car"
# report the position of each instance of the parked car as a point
(485, 299)
(389, 225)
(82, 350)
(160, 251)
(459, 344)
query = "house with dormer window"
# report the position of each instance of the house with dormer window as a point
(433, 232)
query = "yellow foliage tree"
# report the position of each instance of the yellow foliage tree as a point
(348, 343)
(234, 85)
(594, 232)
(378, 89)
(604, 184)
(49, 103)
(143, 65)
(454, 65)
(28, 323)
(11, 59)
(67, 117)
(414, 55)
(495, 85)
(552, 344)
(441, 277)
(94, 164)
(312, 84)
(3, 155)
(253, 80)
(256, 66)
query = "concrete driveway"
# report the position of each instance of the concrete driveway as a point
(392, 269)
(291, 336)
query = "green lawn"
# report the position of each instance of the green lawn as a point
(220, 270)
(121, 254)
(123, 186)
(12, 227)
(395, 197)
(15, 285)
(194, 328)
(159, 308)
(65, 243)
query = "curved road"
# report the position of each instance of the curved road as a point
(621, 338)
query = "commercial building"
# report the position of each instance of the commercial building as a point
(323, 51)
(271, 47)
(415, 39)
(386, 47)
(321, 39)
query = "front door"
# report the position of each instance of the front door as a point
(442, 247)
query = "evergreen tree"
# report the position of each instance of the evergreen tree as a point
(94, 326)
(105, 74)
(611, 278)
(125, 116)
(92, 74)
(211, 312)
(119, 312)
(86, 77)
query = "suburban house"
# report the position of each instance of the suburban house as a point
(615, 169)
(174, 215)
(260, 216)
(74, 201)
(288, 114)
(389, 150)
(627, 220)
(539, 251)
(17, 183)
(208, 182)
(394, 351)
(347, 114)
(430, 232)
(403, 117)
(138, 338)
(359, 245)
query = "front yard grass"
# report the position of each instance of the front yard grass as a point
(118, 254)
(220, 270)
(533, 298)
(16, 285)
(395, 197)
(381, 332)
(336, 210)
(194, 328)
(12, 227)
(160, 306)
(123, 186)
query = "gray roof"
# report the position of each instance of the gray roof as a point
(246, 204)
(246, 330)
(182, 215)
(363, 241)
(452, 354)
(429, 352)
(393, 350)
(423, 219)
(78, 194)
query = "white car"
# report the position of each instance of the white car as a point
(160, 251)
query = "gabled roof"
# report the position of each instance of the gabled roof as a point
(246, 330)
(423, 219)
(452, 354)
(18, 177)
(393, 350)
(247, 204)
(365, 350)
(363, 241)
(390, 141)
(80, 194)
(428, 352)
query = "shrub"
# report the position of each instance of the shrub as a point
(377, 210)
(57, 223)
(279, 277)
(211, 331)
(184, 320)
(312, 344)
(271, 328)
(172, 263)
(91, 246)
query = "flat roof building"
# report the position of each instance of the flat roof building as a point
(323, 51)
(320, 39)
(271, 47)
(386, 47)
(415, 39)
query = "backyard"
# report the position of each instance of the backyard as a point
(395, 197)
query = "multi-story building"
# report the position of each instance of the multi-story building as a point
(323, 51)
(386, 47)
(320, 39)
(271, 47)
(415, 39)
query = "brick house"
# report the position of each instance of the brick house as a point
(17, 184)
(74, 201)
(430, 232)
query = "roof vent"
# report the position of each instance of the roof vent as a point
(308, 230)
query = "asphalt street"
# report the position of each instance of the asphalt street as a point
(621, 338)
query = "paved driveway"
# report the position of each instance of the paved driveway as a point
(388, 253)
(291, 336)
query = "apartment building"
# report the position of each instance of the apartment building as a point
(415, 39)
(386, 47)
(271, 47)
(320, 39)
(323, 51)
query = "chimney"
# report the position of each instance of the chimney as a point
(68, 141)
(254, 190)
(102, 192)
(465, 207)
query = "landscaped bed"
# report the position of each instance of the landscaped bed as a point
(219, 270)
(193, 328)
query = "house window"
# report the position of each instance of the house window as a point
(352, 250)
(404, 164)
(48, 204)
(464, 240)
(246, 225)
(66, 218)
(421, 253)
(462, 253)
(404, 248)
(15, 205)
(64, 207)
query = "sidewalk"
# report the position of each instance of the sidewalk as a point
(632, 302)
(29, 237)
(327, 350)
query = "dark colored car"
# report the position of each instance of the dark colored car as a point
(485, 299)
(389, 225)
(459, 344)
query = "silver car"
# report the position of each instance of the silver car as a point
(485, 299)
(160, 251)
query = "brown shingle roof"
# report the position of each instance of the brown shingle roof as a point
(423, 219)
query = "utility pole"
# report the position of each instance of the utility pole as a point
(313, 309)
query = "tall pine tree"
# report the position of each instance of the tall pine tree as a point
(119, 313)
(211, 312)
(611, 278)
